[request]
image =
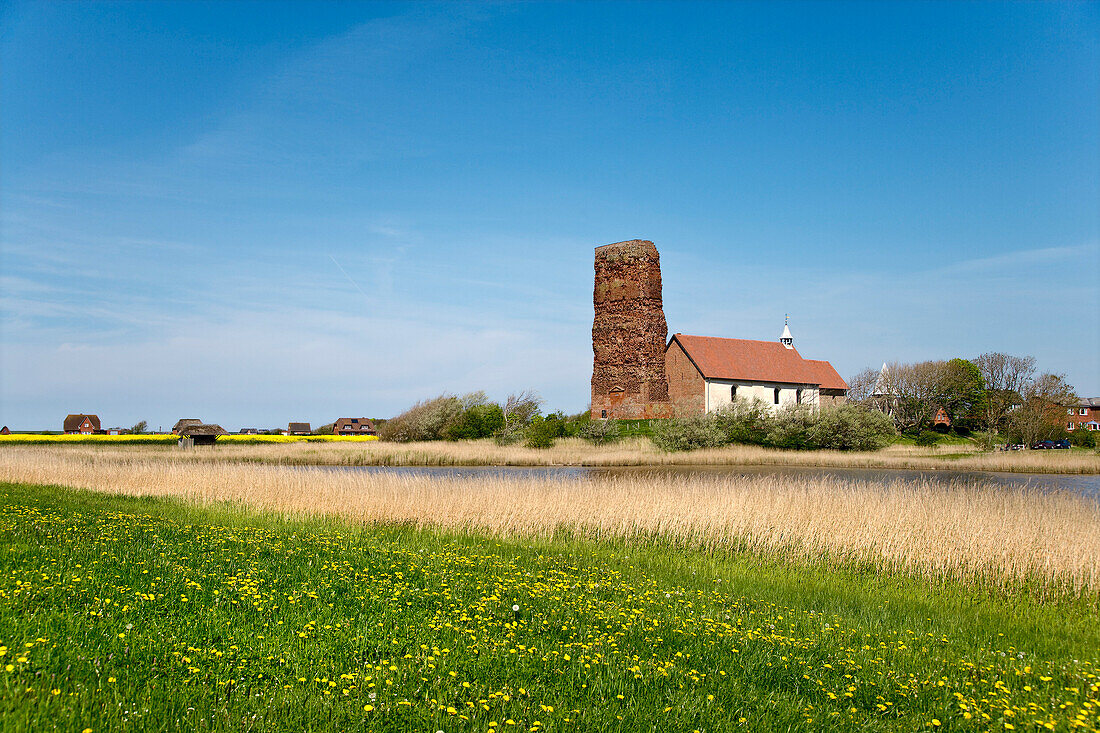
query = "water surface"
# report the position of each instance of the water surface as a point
(1087, 485)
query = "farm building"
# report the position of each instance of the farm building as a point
(81, 424)
(298, 428)
(354, 426)
(182, 423)
(706, 373)
(201, 434)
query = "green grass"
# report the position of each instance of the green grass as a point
(140, 614)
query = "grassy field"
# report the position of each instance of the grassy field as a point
(576, 452)
(1045, 543)
(118, 613)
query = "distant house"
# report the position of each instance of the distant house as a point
(249, 431)
(201, 434)
(706, 374)
(116, 431)
(354, 426)
(298, 428)
(81, 424)
(941, 418)
(4, 431)
(177, 429)
(1085, 414)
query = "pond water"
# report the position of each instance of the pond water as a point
(1088, 485)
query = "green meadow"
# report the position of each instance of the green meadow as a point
(149, 614)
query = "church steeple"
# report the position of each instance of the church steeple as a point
(785, 338)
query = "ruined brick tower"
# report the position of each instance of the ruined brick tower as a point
(628, 333)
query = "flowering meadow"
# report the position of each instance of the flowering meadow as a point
(121, 613)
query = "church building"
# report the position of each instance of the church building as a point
(706, 373)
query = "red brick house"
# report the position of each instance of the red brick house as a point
(707, 373)
(941, 418)
(1086, 414)
(81, 424)
(4, 431)
(354, 426)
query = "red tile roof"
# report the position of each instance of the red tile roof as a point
(758, 361)
(73, 422)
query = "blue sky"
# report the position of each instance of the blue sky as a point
(256, 213)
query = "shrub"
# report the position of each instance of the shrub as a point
(850, 427)
(688, 433)
(745, 421)
(791, 427)
(986, 441)
(600, 432)
(926, 438)
(425, 420)
(1082, 437)
(542, 432)
(477, 421)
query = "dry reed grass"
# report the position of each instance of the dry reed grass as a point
(965, 531)
(634, 452)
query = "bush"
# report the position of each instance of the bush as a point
(1082, 437)
(791, 428)
(926, 438)
(850, 427)
(542, 432)
(745, 421)
(600, 432)
(986, 441)
(425, 420)
(688, 433)
(477, 421)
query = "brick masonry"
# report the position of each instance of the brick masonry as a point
(686, 387)
(628, 333)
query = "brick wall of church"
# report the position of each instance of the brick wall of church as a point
(686, 388)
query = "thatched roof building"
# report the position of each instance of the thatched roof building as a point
(184, 422)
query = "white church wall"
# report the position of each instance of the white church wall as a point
(718, 394)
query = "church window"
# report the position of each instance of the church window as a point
(777, 395)
(603, 413)
(733, 392)
(798, 395)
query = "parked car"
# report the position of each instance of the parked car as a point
(1063, 443)
(1043, 445)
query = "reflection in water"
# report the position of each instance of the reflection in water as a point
(1088, 485)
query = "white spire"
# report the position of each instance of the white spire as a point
(882, 384)
(785, 338)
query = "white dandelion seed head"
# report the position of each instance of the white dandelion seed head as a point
(515, 607)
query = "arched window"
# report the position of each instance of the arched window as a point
(733, 392)
(798, 395)
(777, 395)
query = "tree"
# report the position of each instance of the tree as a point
(141, 427)
(1042, 414)
(520, 409)
(1006, 378)
(861, 386)
(518, 412)
(961, 391)
(914, 392)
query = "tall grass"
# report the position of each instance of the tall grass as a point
(964, 531)
(631, 452)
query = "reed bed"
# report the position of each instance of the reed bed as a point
(965, 530)
(633, 452)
